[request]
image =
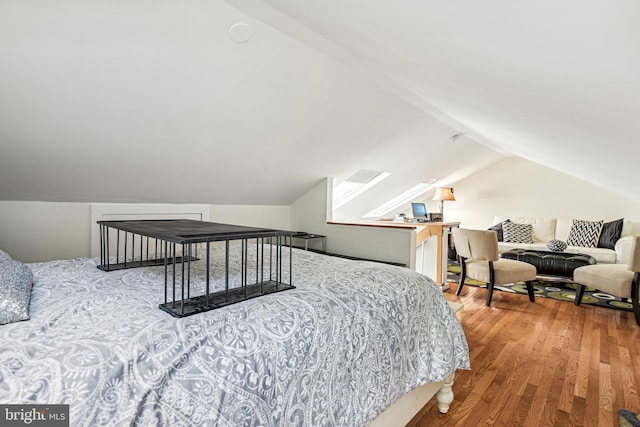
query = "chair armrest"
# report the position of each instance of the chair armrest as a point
(623, 249)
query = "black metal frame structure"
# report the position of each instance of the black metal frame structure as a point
(170, 235)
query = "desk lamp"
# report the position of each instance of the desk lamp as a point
(443, 194)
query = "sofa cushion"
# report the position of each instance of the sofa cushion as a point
(611, 232)
(506, 246)
(563, 227)
(505, 271)
(517, 233)
(584, 233)
(602, 255)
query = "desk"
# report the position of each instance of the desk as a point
(431, 257)
(442, 232)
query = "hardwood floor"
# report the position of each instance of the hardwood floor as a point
(547, 363)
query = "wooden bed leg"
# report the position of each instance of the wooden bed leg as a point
(444, 396)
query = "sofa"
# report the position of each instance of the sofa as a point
(612, 238)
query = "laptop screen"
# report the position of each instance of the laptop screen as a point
(419, 210)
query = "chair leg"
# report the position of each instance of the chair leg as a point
(492, 281)
(490, 293)
(635, 286)
(579, 294)
(532, 296)
(463, 275)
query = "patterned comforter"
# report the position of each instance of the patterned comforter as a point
(350, 340)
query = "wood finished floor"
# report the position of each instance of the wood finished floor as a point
(547, 363)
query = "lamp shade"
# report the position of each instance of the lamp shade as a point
(444, 194)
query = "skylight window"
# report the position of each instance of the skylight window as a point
(403, 198)
(355, 185)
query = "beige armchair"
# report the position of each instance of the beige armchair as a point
(479, 260)
(621, 280)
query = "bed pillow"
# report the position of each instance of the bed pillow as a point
(15, 291)
(517, 233)
(584, 233)
(4, 256)
(611, 232)
(498, 229)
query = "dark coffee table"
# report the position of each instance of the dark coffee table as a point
(550, 263)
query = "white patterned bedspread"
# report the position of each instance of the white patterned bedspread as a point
(350, 340)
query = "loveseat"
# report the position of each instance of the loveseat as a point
(612, 242)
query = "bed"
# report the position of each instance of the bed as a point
(351, 339)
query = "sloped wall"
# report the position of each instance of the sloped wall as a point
(44, 231)
(515, 186)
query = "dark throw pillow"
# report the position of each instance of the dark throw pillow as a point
(498, 229)
(584, 233)
(611, 232)
(15, 291)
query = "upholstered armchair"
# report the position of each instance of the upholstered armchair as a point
(479, 260)
(621, 280)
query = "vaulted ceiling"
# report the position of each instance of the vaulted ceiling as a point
(252, 102)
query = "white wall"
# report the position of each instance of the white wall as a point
(518, 187)
(43, 231)
(278, 217)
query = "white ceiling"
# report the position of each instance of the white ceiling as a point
(554, 82)
(152, 101)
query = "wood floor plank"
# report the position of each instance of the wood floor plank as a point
(543, 363)
(615, 365)
(593, 382)
(583, 359)
(607, 395)
(629, 385)
(573, 354)
(578, 409)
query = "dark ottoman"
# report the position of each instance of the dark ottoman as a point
(550, 263)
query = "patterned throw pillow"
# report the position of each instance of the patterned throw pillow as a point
(585, 233)
(15, 291)
(611, 232)
(517, 233)
(556, 245)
